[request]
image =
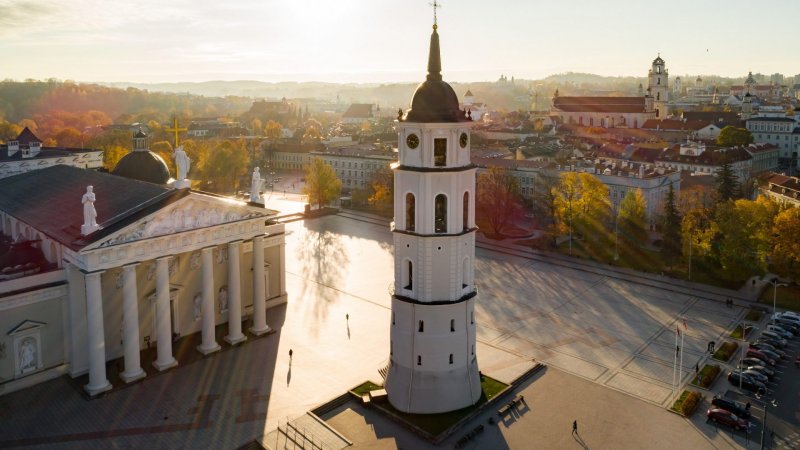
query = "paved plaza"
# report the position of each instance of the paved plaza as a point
(598, 329)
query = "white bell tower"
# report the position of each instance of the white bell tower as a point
(658, 86)
(433, 366)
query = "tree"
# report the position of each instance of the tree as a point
(382, 185)
(727, 183)
(583, 206)
(228, 162)
(632, 217)
(69, 137)
(745, 229)
(111, 156)
(785, 255)
(322, 184)
(9, 131)
(498, 199)
(731, 136)
(273, 130)
(671, 228)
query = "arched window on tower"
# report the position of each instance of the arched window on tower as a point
(410, 212)
(466, 211)
(658, 95)
(658, 80)
(440, 214)
(451, 358)
(452, 325)
(419, 360)
(409, 278)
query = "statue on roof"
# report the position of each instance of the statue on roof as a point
(182, 162)
(89, 213)
(255, 185)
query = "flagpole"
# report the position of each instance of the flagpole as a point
(680, 366)
(675, 361)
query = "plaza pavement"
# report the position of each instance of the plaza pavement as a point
(612, 333)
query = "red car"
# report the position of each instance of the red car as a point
(726, 418)
(753, 353)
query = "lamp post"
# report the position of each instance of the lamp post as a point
(775, 285)
(774, 404)
(616, 234)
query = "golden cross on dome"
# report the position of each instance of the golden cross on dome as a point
(175, 129)
(435, 5)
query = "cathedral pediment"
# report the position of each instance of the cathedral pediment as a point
(196, 211)
(26, 325)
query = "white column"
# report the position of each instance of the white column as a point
(164, 360)
(96, 335)
(260, 289)
(235, 335)
(130, 325)
(281, 271)
(209, 343)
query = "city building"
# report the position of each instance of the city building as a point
(781, 131)
(139, 265)
(695, 157)
(358, 113)
(476, 110)
(694, 129)
(26, 153)
(784, 190)
(356, 165)
(433, 367)
(610, 112)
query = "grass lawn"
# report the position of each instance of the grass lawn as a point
(753, 315)
(725, 351)
(737, 332)
(686, 403)
(365, 388)
(435, 424)
(788, 297)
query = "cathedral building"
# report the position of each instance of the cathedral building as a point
(96, 267)
(433, 367)
(610, 112)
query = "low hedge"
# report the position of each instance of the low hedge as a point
(725, 351)
(707, 376)
(686, 403)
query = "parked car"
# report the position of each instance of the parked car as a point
(754, 362)
(769, 341)
(783, 332)
(768, 350)
(787, 316)
(726, 418)
(753, 353)
(731, 405)
(791, 324)
(790, 313)
(747, 383)
(758, 368)
(774, 336)
(756, 375)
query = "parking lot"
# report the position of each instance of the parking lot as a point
(781, 398)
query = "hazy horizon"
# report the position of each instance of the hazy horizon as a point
(383, 41)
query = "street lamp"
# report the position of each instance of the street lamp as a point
(774, 404)
(775, 285)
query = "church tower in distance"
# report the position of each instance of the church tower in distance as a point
(433, 367)
(658, 87)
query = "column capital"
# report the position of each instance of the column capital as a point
(208, 249)
(130, 266)
(236, 242)
(164, 258)
(93, 274)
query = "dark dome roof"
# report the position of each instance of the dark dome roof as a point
(143, 166)
(658, 60)
(434, 100)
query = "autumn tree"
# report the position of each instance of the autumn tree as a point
(227, 163)
(731, 136)
(632, 217)
(785, 252)
(273, 130)
(9, 131)
(111, 156)
(745, 229)
(727, 183)
(498, 201)
(583, 206)
(164, 150)
(382, 187)
(671, 227)
(322, 184)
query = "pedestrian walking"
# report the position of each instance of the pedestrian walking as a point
(696, 368)
(290, 355)
(574, 426)
(347, 317)
(747, 406)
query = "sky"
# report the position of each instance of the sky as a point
(387, 40)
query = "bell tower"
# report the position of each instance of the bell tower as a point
(658, 86)
(433, 367)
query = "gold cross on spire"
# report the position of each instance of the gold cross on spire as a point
(435, 5)
(175, 129)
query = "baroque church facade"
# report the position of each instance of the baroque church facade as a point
(159, 265)
(611, 112)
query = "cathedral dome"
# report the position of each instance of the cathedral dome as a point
(435, 101)
(143, 166)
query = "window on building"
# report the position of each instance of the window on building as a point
(452, 325)
(465, 213)
(393, 318)
(440, 152)
(472, 318)
(410, 212)
(421, 326)
(451, 358)
(419, 360)
(410, 277)
(658, 80)
(440, 214)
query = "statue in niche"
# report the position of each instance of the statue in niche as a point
(194, 261)
(182, 163)
(222, 298)
(27, 355)
(197, 311)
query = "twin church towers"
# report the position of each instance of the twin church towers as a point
(433, 365)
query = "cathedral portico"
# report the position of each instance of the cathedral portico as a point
(130, 323)
(209, 344)
(235, 335)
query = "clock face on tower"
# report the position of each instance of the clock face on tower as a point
(412, 141)
(463, 139)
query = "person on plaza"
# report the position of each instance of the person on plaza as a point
(747, 406)
(290, 356)
(574, 426)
